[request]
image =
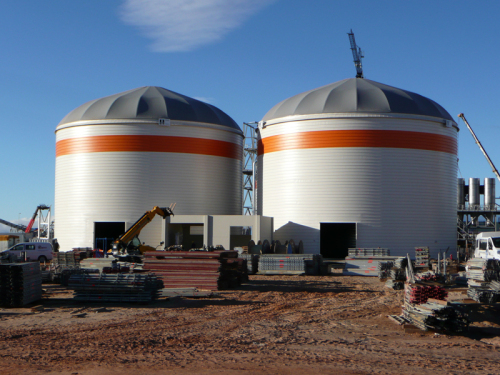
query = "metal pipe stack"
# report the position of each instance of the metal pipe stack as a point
(384, 269)
(20, 284)
(210, 270)
(120, 287)
(436, 316)
(418, 294)
(252, 262)
(290, 264)
(483, 276)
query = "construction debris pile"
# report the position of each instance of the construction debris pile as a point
(210, 270)
(20, 284)
(119, 287)
(483, 280)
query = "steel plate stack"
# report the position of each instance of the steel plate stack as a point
(435, 316)
(211, 270)
(115, 287)
(384, 269)
(290, 264)
(369, 252)
(483, 276)
(483, 269)
(252, 262)
(20, 284)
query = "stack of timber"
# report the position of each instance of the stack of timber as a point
(483, 276)
(290, 264)
(20, 284)
(436, 315)
(115, 287)
(209, 270)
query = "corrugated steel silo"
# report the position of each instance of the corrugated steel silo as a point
(359, 164)
(489, 193)
(119, 156)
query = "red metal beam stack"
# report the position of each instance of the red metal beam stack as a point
(211, 270)
(421, 293)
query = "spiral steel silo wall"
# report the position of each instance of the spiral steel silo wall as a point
(474, 193)
(489, 193)
(116, 172)
(394, 177)
(461, 193)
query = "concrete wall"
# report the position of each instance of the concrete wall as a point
(217, 228)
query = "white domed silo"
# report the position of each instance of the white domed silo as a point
(359, 164)
(119, 156)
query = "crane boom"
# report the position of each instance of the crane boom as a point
(30, 225)
(357, 54)
(495, 171)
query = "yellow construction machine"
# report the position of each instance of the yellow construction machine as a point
(128, 244)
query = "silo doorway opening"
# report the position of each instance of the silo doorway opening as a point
(106, 232)
(336, 239)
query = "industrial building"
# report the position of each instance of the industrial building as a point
(359, 164)
(352, 164)
(119, 156)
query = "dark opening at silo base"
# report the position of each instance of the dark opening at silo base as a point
(106, 232)
(336, 239)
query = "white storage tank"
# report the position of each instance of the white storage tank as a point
(119, 156)
(359, 164)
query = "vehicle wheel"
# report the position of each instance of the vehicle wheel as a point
(42, 258)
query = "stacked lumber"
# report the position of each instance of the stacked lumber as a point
(20, 284)
(210, 270)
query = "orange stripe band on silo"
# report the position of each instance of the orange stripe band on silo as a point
(358, 138)
(148, 143)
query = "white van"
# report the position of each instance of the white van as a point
(487, 245)
(41, 251)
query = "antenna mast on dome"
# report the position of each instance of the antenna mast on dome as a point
(357, 54)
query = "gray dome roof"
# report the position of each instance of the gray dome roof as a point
(150, 102)
(360, 96)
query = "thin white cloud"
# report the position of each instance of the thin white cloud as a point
(204, 99)
(183, 25)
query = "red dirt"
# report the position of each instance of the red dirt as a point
(272, 325)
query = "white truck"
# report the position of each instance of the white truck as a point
(487, 245)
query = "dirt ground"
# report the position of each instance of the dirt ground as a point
(272, 325)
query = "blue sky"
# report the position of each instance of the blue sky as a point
(243, 56)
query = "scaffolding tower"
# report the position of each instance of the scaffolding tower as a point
(249, 167)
